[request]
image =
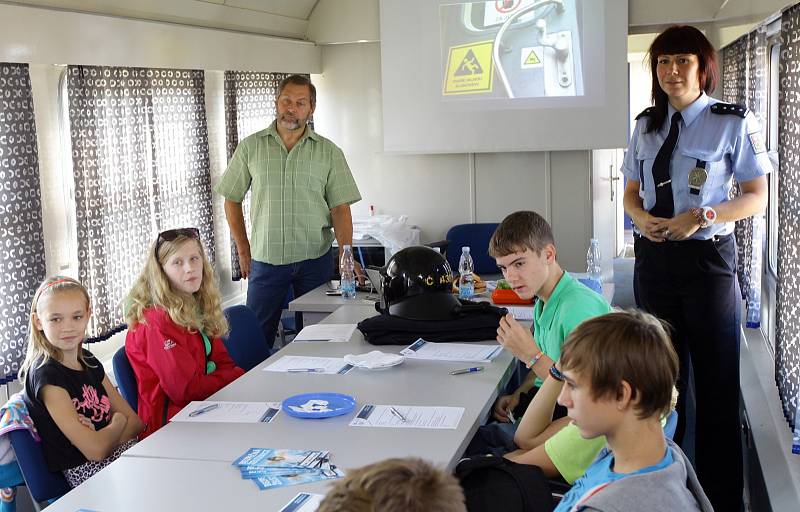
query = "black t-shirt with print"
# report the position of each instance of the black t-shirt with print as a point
(88, 395)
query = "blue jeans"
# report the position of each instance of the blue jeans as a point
(269, 285)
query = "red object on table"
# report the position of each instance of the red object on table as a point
(508, 297)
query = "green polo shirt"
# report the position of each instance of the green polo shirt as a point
(292, 193)
(570, 304)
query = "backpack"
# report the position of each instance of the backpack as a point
(493, 483)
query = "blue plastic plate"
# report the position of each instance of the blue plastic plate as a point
(337, 405)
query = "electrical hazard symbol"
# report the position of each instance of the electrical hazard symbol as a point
(469, 69)
(531, 57)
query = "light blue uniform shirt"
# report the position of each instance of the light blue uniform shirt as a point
(729, 144)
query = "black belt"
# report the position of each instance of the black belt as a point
(715, 238)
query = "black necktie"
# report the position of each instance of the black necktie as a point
(665, 206)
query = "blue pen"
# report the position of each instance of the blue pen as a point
(467, 370)
(203, 410)
(305, 370)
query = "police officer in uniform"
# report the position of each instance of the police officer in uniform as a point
(679, 166)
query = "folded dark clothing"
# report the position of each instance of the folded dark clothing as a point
(478, 323)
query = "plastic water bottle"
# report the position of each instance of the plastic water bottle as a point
(754, 292)
(594, 266)
(796, 433)
(347, 269)
(466, 281)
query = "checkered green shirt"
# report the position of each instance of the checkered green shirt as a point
(292, 193)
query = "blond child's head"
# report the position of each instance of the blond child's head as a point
(396, 485)
(178, 277)
(57, 322)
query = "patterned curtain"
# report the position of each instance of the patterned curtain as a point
(787, 332)
(744, 71)
(141, 166)
(22, 265)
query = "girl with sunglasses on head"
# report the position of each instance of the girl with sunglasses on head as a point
(83, 421)
(175, 324)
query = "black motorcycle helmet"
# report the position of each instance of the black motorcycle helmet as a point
(417, 285)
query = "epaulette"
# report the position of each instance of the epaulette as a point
(730, 108)
(649, 111)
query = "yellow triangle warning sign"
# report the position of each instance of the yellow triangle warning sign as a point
(532, 58)
(469, 69)
(469, 65)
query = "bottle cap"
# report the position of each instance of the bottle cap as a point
(465, 249)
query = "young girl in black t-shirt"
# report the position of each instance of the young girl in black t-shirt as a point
(83, 421)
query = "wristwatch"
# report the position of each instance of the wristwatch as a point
(707, 216)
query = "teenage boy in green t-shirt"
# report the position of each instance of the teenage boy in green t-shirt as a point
(524, 249)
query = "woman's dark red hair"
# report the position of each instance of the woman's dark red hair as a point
(676, 40)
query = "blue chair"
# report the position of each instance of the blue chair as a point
(126, 379)
(477, 237)
(245, 342)
(671, 425)
(43, 484)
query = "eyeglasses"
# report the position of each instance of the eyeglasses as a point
(171, 234)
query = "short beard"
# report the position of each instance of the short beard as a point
(291, 125)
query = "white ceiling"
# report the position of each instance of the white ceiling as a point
(281, 18)
(290, 18)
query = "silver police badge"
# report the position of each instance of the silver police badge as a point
(697, 177)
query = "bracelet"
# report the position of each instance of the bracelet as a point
(535, 360)
(556, 373)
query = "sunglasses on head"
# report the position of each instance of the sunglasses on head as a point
(171, 234)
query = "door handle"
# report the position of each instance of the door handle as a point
(611, 180)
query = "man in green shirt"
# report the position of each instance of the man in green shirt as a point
(301, 187)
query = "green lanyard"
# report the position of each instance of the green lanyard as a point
(210, 365)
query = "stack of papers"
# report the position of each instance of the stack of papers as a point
(228, 412)
(405, 416)
(269, 468)
(307, 364)
(326, 332)
(468, 352)
(304, 502)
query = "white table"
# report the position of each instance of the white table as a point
(186, 466)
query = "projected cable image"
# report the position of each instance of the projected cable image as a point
(511, 49)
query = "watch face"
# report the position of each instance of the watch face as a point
(697, 177)
(709, 215)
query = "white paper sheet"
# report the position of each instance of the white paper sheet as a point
(229, 412)
(371, 415)
(326, 332)
(467, 352)
(521, 312)
(304, 502)
(306, 364)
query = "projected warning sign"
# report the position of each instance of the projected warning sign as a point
(469, 69)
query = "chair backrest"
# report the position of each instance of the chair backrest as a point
(477, 237)
(245, 342)
(671, 425)
(42, 483)
(126, 379)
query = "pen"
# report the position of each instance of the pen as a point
(397, 413)
(510, 416)
(467, 370)
(203, 410)
(305, 370)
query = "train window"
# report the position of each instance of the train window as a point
(772, 146)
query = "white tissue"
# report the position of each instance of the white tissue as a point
(374, 360)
